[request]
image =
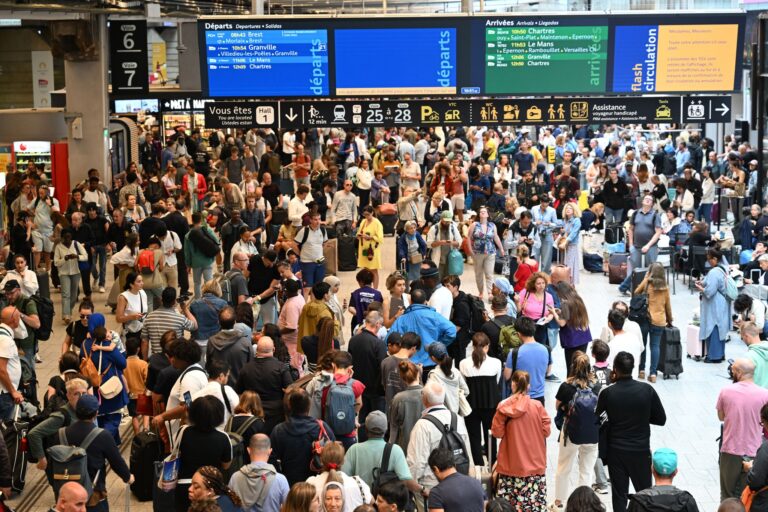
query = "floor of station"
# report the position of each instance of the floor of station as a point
(692, 426)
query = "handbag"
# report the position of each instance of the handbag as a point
(416, 258)
(562, 243)
(112, 387)
(464, 408)
(82, 265)
(169, 477)
(748, 497)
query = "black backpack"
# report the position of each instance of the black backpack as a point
(452, 442)
(204, 243)
(213, 139)
(155, 191)
(477, 314)
(383, 474)
(45, 313)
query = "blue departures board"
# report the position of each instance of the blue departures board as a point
(425, 61)
(264, 63)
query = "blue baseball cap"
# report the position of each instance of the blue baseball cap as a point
(87, 405)
(665, 461)
(437, 350)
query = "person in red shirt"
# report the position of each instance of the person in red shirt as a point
(526, 267)
(342, 373)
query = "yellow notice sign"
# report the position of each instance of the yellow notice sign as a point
(696, 54)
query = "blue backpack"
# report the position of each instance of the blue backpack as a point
(455, 263)
(340, 408)
(581, 424)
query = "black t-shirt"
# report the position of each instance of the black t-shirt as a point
(165, 381)
(118, 234)
(97, 227)
(261, 276)
(83, 235)
(524, 161)
(309, 346)
(157, 363)
(199, 449)
(78, 332)
(149, 228)
(19, 242)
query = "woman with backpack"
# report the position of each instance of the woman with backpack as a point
(659, 307)
(573, 320)
(355, 491)
(456, 389)
(575, 403)
(523, 426)
(150, 263)
(715, 307)
(482, 374)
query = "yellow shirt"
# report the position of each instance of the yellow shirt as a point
(135, 374)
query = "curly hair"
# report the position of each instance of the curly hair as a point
(214, 480)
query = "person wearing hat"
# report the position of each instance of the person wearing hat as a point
(442, 237)
(101, 449)
(545, 220)
(663, 496)
(362, 458)
(24, 334)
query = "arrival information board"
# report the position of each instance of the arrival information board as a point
(444, 56)
(519, 56)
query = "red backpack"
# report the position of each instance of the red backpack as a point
(146, 261)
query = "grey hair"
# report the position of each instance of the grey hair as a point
(411, 223)
(373, 318)
(260, 443)
(433, 393)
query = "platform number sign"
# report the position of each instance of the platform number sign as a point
(128, 56)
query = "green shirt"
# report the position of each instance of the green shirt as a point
(28, 307)
(362, 458)
(46, 429)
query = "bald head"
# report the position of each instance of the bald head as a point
(743, 369)
(265, 347)
(259, 448)
(72, 498)
(10, 316)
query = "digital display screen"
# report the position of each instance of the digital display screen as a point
(134, 106)
(486, 55)
(675, 58)
(266, 63)
(551, 59)
(426, 61)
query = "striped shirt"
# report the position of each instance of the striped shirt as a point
(161, 320)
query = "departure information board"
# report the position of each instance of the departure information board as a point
(451, 56)
(552, 59)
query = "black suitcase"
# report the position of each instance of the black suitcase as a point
(347, 247)
(146, 449)
(614, 233)
(44, 281)
(278, 216)
(389, 222)
(671, 353)
(14, 434)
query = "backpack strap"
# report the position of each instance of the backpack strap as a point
(226, 400)
(385, 457)
(437, 423)
(454, 421)
(92, 435)
(359, 487)
(63, 436)
(514, 358)
(245, 426)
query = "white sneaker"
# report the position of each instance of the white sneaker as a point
(101, 289)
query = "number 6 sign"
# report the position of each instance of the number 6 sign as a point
(128, 56)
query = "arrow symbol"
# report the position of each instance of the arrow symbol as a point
(723, 109)
(290, 115)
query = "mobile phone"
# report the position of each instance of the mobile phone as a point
(188, 399)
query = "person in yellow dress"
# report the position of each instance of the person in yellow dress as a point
(370, 235)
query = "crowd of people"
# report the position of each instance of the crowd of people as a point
(270, 392)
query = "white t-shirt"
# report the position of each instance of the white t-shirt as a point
(193, 379)
(213, 388)
(170, 245)
(626, 342)
(9, 351)
(442, 301)
(312, 249)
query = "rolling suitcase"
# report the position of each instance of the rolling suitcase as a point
(617, 267)
(347, 252)
(614, 233)
(330, 253)
(638, 274)
(389, 222)
(44, 282)
(14, 435)
(695, 347)
(671, 353)
(146, 449)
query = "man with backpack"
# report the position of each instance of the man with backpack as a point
(258, 484)
(99, 446)
(311, 239)
(367, 352)
(58, 417)
(201, 245)
(24, 333)
(342, 400)
(231, 344)
(492, 328)
(436, 428)
(642, 239)
(270, 163)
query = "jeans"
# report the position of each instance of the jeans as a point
(6, 406)
(545, 261)
(613, 216)
(312, 273)
(69, 290)
(111, 423)
(624, 466)
(645, 327)
(638, 260)
(704, 212)
(655, 336)
(200, 275)
(182, 272)
(100, 255)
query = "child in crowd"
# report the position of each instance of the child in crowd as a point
(393, 343)
(135, 376)
(601, 368)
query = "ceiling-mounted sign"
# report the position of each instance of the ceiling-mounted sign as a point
(244, 115)
(128, 56)
(707, 109)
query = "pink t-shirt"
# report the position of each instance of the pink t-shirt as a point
(741, 403)
(289, 319)
(532, 307)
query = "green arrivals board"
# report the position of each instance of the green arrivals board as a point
(536, 60)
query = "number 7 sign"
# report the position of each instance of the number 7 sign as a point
(128, 56)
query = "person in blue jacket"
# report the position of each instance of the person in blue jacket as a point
(411, 251)
(430, 325)
(102, 351)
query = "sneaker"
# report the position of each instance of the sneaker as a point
(651, 379)
(101, 289)
(37, 359)
(641, 375)
(552, 378)
(600, 489)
